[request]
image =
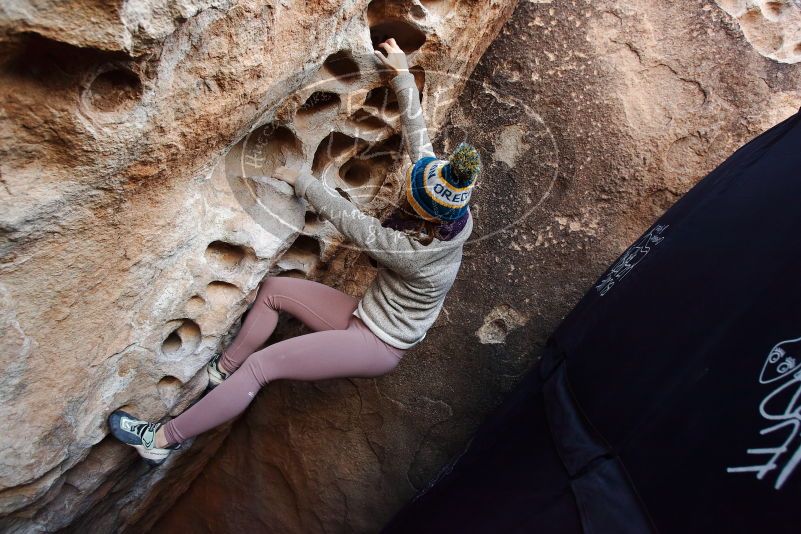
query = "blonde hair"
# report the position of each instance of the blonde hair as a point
(425, 231)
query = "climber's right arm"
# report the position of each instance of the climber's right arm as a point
(412, 120)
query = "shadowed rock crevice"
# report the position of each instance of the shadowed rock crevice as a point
(56, 63)
(292, 273)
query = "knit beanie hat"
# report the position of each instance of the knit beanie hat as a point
(439, 190)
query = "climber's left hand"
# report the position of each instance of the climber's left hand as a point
(286, 174)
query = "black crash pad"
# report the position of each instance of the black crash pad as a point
(669, 399)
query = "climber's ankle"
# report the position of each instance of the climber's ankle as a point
(223, 368)
(161, 440)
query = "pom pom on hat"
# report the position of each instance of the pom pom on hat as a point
(465, 162)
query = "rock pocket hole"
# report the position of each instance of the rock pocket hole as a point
(264, 150)
(333, 148)
(311, 218)
(365, 173)
(172, 344)
(342, 66)
(169, 389)
(774, 10)
(319, 101)
(408, 37)
(195, 305)
(116, 89)
(363, 119)
(419, 74)
(303, 256)
(500, 326)
(182, 340)
(311, 222)
(308, 244)
(355, 172)
(222, 256)
(752, 15)
(382, 99)
(222, 293)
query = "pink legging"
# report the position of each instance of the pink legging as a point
(340, 346)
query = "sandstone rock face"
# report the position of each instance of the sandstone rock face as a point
(130, 26)
(772, 26)
(593, 118)
(136, 222)
(135, 227)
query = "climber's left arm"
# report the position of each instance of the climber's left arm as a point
(412, 119)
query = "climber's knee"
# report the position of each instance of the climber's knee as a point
(267, 292)
(258, 367)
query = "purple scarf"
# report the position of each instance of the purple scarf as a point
(446, 231)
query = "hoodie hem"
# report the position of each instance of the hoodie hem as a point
(380, 334)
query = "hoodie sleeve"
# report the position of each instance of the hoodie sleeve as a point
(411, 115)
(391, 248)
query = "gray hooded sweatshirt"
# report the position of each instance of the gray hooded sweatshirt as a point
(407, 294)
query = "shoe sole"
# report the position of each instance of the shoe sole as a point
(151, 456)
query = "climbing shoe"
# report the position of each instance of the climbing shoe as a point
(216, 374)
(141, 435)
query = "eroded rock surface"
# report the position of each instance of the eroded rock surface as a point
(593, 117)
(136, 222)
(135, 227)
(772, 26)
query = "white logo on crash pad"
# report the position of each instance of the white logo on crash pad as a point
(781, 408)
(629, 260)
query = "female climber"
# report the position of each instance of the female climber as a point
(418, 250)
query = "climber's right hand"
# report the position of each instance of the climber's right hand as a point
(395, 58)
